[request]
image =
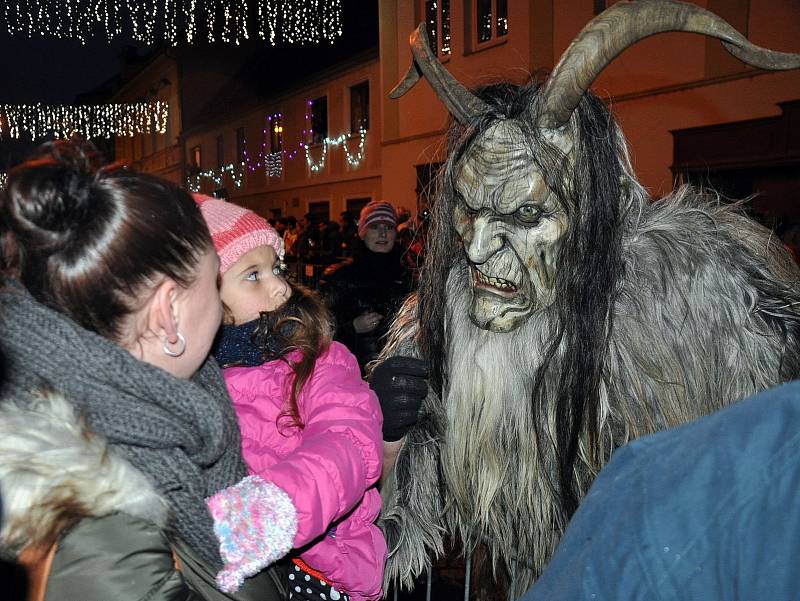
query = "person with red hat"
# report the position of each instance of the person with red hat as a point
(311, 427)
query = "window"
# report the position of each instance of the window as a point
(491, 20)
(276, 133)
(220, 151)
(319, 119)
(240, 144)
(436, 14)
(196, 157)
(359, 107)
(354, 206)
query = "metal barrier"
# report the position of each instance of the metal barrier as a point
(307, 274)
(466, 593)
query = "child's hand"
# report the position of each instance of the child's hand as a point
(255, 523)
(401, 386)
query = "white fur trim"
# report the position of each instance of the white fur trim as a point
(51, 463)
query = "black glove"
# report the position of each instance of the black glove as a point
(400, 385)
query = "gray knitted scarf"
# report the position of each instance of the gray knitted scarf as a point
(182, 434)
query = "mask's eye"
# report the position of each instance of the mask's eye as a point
(529, 214)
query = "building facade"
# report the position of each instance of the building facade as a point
(314, 148)
(301, 149)
(668, 82)
(156, 153)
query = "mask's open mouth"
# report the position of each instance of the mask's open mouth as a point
(493, 285)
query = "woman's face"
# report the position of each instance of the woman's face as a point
(252, 285)
(380, 237)
(200, 315)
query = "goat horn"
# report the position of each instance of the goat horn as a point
(462, 104)
(626, 23)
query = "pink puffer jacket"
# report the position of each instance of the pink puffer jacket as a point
(329, 468)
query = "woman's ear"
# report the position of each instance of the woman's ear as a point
(163, 310)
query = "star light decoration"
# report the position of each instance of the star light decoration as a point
(3, 180)
(90, 121)
(175, 21)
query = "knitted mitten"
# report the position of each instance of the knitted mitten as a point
(255, 523)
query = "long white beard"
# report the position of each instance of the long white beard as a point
(497, 486)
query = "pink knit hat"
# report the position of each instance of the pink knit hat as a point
(236, 230)
(376, 211)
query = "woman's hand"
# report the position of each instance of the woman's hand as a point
(366, 323)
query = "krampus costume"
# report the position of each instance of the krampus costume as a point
(564, 313)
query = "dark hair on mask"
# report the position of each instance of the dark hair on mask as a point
(302, 324)
(87, 239)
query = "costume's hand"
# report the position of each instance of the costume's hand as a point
(255, 523)
(400, 383)
(363, 324)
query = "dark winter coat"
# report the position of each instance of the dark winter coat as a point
(369, 282)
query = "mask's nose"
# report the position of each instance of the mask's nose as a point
(485, 242)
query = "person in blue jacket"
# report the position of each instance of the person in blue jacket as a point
(709, 510)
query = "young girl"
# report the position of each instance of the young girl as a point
(311, 427)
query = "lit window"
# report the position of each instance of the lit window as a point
(196, 155)
(318, 119)
(276, 133)
(436, 14)
(359, 107)
(491, 19)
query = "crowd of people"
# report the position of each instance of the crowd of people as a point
(180, 420)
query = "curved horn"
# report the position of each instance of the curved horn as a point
(462, 104)
(626, 23)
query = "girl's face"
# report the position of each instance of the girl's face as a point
(251, 285)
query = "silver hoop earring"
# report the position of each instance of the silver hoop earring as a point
(181, 346)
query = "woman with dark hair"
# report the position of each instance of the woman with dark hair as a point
(114, 426)
(365, 292)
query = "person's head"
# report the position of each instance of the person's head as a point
(291, 222)
(253, 288)
(250, 255)
(123, 254)
(377, 226)
(403, 215)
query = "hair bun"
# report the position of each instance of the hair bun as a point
(54, 195)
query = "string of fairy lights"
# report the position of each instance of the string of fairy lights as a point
(175, 21)
(273, 162)
(3, 180)
(90, 121)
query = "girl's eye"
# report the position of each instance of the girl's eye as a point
(252, 276)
